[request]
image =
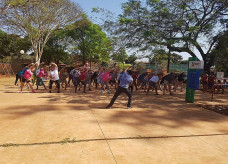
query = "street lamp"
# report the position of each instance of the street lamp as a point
(22, 53)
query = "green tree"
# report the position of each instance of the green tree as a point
(221, 53)
(132, 58)
(178, 25)
(120, 56)
(163, 57)
(11, 44)
(6, 4)
(56, 49)
(140, 66)
(4, 44)
(89, 42)
(38, 19)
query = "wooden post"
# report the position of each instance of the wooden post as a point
(3, 69)
(7, 71)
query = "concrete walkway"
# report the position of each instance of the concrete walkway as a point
(75, 128)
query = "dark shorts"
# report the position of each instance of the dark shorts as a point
(204, 82)
(181, 80)
(112, 81)
(167, 82)
(210, 84)
(25, 80)
(152, 84)
(39, 81)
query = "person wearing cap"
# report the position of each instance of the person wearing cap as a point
(54, 77)
(123, 88)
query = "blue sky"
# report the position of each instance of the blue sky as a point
(112, 5)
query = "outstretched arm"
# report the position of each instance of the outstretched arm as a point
(54, 65)
(128, 68)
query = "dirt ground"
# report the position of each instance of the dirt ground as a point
(75, 128)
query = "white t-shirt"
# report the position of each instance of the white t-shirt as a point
(154, 79)
(54, 75)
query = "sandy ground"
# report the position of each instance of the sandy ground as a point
(75, 128)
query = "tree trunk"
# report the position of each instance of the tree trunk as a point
(208, 62)
(207, 68)
(38, 61)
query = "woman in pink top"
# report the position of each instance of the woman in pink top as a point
(105, 78)
(39, 81)
(26, 78)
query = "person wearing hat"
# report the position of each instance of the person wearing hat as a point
(123, 88)
(54, 77)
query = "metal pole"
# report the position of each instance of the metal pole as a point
(168, 61)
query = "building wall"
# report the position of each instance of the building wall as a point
(19, 64)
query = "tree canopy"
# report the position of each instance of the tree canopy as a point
(88, 41)
(221, 53)
(38, 19)
(120, 56)
(11, 44)
(56, 49)
(190, 26)
(163, 57)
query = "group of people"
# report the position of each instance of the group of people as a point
(210, 83)
(123, 81)
(31, 75)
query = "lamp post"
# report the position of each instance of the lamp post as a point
(22, 53)
(91, 59)
(168, 65)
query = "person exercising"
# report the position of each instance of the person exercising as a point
(123, 88)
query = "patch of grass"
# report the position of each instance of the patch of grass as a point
(68, 140)
(9, 145)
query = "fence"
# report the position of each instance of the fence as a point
(173, 67)
(6, 69)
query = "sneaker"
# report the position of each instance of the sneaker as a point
(129, 107)
(101, 92)
(108, 107)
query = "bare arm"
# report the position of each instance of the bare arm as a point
(54, 65)
(128, 68)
